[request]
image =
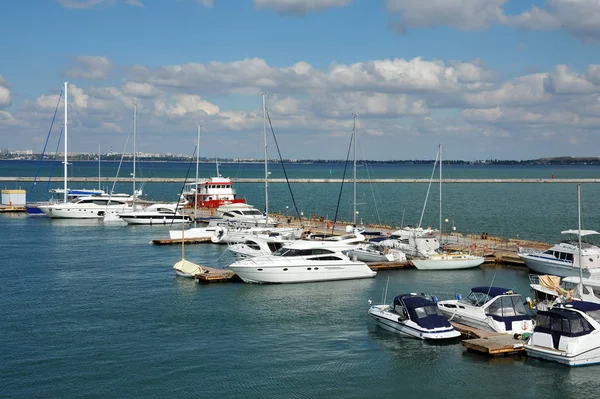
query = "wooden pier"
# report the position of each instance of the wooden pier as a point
(489, 342)
(169, 241)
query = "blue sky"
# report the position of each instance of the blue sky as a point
(511, 79)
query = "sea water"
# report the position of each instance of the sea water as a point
(95, 310)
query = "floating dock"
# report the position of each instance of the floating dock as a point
(489, 342)
(212, 275)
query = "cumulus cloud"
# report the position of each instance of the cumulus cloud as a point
(5, 98)
(578, 17)
(300, 7)
(185, 104)
(90, 67)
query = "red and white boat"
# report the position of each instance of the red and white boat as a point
(211, 193)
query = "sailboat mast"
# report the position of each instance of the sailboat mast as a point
(440, 151)
(264, 97)
(99, 173)
(66, 135)
(197, 162)
(580, 285)
(134, 134)
(354, 177)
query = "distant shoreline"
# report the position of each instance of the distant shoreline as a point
(561, 161)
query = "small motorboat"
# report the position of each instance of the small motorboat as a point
(155, 214)
(489, 308)
(414, 316)
(568, 334)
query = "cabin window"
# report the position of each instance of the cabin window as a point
(254, 246)
(562, 256)
(285, 269)
(507, 306)
(309, 268)
(324, 258)
(425, 311)
(260, 270)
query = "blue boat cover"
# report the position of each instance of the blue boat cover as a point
(422, 311)
(492, 291)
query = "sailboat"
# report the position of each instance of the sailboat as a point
(185, 268)
(444, 260)
(568, 333)
(82, 207)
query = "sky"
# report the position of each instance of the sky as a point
(487, 79)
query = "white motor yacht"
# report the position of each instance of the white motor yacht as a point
(255, 246)
(92, 207)
(235, 234)
(413, 241)
(414, 316)
(563, 259)
(156, 214)
(568, 334)
(241, 213)
(372, 252)
(299, 262)
(489, 308)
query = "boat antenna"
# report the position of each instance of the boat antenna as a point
(492, 283)
(386, 290)
(580, 285)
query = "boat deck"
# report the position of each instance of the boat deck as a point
(169, 241)
(213, 275)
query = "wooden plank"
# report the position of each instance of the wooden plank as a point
(168, 241)
(388, 265)
(495, 345)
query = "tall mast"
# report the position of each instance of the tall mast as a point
(440, 150)
(197, 161)
(354, 197)
(580, 285)
(134, 134)
(264, 96)
(65, 129)
(99, 174)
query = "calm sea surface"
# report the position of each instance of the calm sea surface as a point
(94, 310)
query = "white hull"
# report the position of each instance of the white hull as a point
(448, 262)
(154, 220)
(393, 255)
(389, 321)
(552, 355)
(545, 266)
(300, 273)
(62, 212)
(195, 232)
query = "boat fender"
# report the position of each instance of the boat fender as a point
(524, 325)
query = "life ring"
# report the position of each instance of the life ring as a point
(473, 247)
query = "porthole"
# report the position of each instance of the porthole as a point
(260, 270)
(591, 260)
(308, 268)
(285, 269)
(316, 268)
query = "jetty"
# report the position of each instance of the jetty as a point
(293, 180)
(489, 342)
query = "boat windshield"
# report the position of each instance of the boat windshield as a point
(507, 306)
(429, 310)
(477, 298)
(252, 212)
(562, 322)
(301, 252)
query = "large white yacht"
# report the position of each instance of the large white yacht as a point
(299, 262)
(489, 308)
(92, 207)
(414, 316)
(257, 246)
(563, 259)
(244, 214)
(568, 334)
(156, 214)
(413, 241)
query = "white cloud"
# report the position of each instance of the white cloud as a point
(578, 17)
(206, 3)
(300, 7)
(87, 4)
(90, 68)
(185, 104)
(5, 98)
(139, 89)
(564, 81)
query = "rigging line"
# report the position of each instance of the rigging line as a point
(46, 143)
(192, 161)
(283, 167)
(373, 188)
(341, 186)
(429, 188)
(121, 162)
(53, 164)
